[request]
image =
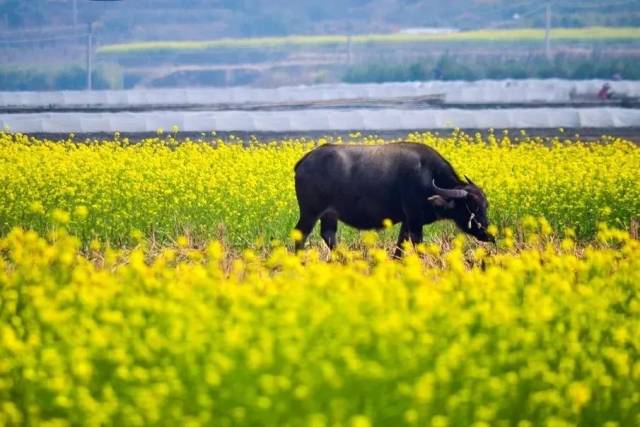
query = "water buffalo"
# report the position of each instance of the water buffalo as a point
(362, 185)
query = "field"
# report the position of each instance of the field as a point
(510, 35)
(112, 190)
(152, 283)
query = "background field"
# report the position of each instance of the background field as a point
(171, 43)
(506, 35)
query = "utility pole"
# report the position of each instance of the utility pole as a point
(90, 56)
(349, 28)
(547, 32)
(75, 12)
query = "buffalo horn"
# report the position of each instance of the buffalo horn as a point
(449, 192)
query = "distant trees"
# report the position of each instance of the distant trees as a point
(450, 67)
(69, 78)
(20, 13)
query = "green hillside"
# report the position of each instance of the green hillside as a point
(206, 19)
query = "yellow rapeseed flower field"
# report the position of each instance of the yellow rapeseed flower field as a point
(140, 284)
(115, 190)
(518, 35)
(547, 335)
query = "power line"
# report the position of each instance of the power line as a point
(46, 39)
(534, 11)
(41, 30)
(599, 5)
(533, 7)
(527, 14)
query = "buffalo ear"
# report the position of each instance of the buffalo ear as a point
(441, 202)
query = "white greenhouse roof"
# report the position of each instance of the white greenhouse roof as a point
(320, 119)
(480, 92)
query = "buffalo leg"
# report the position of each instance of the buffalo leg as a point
(328, 229)
(410, 233)
(415, 235)
(402, 237)
(304, 225)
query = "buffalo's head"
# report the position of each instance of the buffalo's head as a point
(467, 206)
